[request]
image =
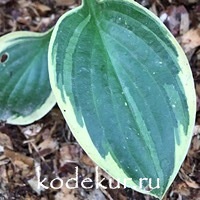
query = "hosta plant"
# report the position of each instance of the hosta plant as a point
(123, 85)
(25, 91)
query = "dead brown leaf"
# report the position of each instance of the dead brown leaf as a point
(3, 160)
(3, 180)
(191, 183)
(196, 130)
(47, 147)
(69, 153)
(176, 19)
(5, 141)
(87, 161)
(196, 145)
(18, 158)
(197, 87)
(41, 7)
(31, 130)
(182, 189)
(191, 40)
(65, 2)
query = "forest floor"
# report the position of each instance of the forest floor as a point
(47, 148)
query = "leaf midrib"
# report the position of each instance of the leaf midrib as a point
(94, 13)
(28, 68)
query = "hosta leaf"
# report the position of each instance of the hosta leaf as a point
(25, 91)
(125, 88)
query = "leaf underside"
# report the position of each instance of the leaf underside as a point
(125, 89)
(25, 91)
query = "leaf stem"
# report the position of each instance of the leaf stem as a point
(90, 3)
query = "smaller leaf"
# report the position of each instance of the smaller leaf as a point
(25, 92)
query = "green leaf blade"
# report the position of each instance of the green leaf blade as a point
(121, 82)
(25, 91)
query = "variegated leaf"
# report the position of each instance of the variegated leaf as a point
(126, 90)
